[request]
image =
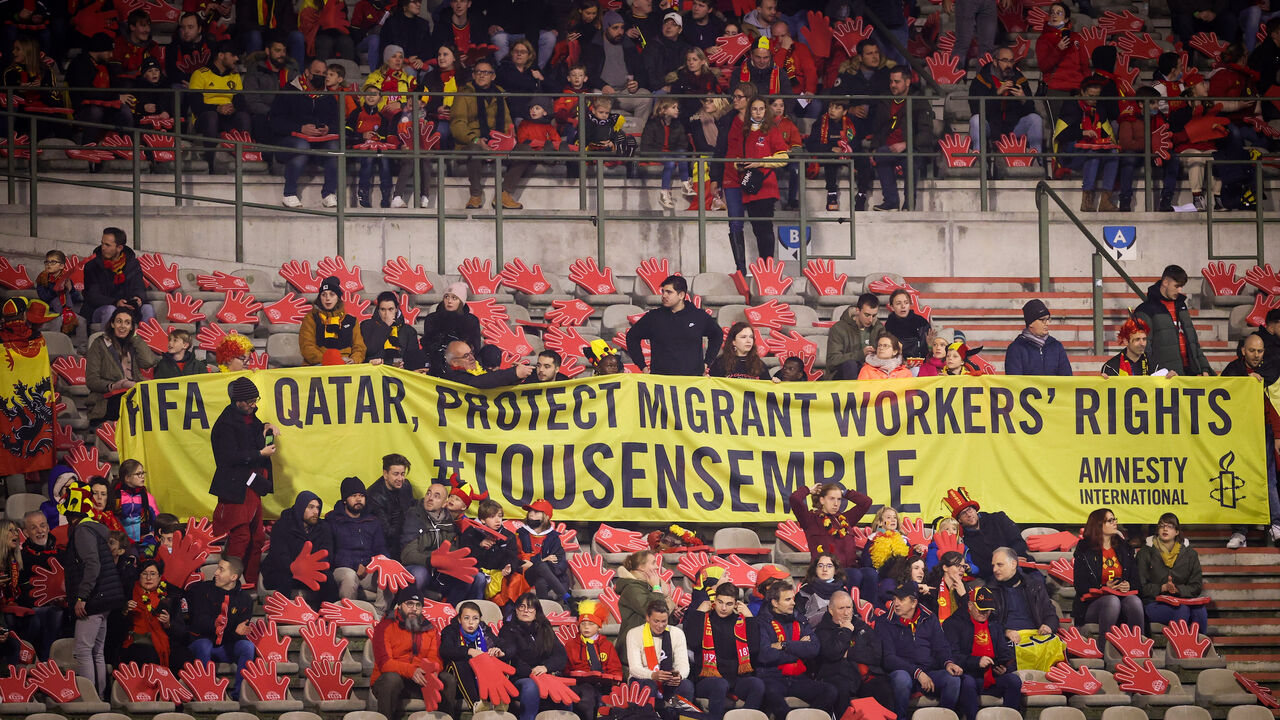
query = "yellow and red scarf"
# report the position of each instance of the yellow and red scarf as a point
(709, 667)
(793, 668)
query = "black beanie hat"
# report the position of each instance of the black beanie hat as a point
(101, 42)
(242, 389)
(1034, 310)
(332, 284)
(351, 486)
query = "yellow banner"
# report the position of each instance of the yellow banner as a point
(647, 448)
(26, 407)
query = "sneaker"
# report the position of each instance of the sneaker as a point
(398, 202)
(362, 199)
(1274, 532)
(475, 202)
(1198, 200)
(833, 201)
(884, 206)
(860, 202)
(717, 203)
(329, 200)
(425, 200)
(688, 188)
(664, 199)
(1237, 541)
(291, 201)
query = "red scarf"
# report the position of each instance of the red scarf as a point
(116, 267)
(982, 647)
(775, 77)
(144, 624)
(793, 668)
(709, 667)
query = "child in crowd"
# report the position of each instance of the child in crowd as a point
(666, 134)
(794, 140)
(495, 550)
(155, 96)
(462, 639)
(911, 329)
(603, 132)
(833, 128)
(135, 506)
(566, 105)
(538, 131)
(56, 288)
(181, 358)
(366, 124)
(541, 549)
(593, 660)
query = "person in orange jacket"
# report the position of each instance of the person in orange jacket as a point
(402, 641)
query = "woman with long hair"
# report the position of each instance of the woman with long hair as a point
(750, 182)
(1105, 565)
(947, 578)
(828, 530)
(10, 587)
(738, 356)
(329, 335)
(695, 77)
(42, 88)
(531, 645)
(638, 583)
(704, 128)
(115, 362)
(821, 580)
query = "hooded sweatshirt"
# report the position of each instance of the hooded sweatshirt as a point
(287, 538)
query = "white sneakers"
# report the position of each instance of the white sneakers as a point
(1237, 540)
(1275, 532)
(398, 202)
(291, 201)
(664, 199)
(425, 201)
(688, 187)
(329, 200)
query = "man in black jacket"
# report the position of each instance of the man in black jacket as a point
(701, 27)
(979, 646)
(852, 655)
(242, 475)
(1022, 605)
(112, 279)
(1010, 110)
(93, 585)
(872, 78)
(675, 332)
(309, 118)
(460, 366)
(983, 532)
(94, 68)
(389, 498)
(891, 137)
(723, 666)
(218, 617)
(787, 644)
(298, 525)
(665, 54)
(1173, 342)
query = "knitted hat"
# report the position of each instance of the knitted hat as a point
(351, 486)
(242, 389)
(390, 50)
(407, 594)
(458, 289)
(543, 102)
(611, 17)
(957, 501)
(1034, 310)
(332, 284)
(148, 63)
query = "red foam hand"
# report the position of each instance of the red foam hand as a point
(356, 305)
(588, 569)
(913, 531)
(70, 369)
(568, 536)
(154, 336)
(692, 563)
(849, 33)
(1176, 601)
(159, 143)
(948, 542)
(653, 271)
(1262, 692)
(867, 709)
(1051, 542)
(408, 310)
(515, 274)
(346, 613)
(262, 677)
(767, 274)
(792, 344)
(1064, 570)
(945, 69)
(48, 585)
(84, 461)
(90, 154)
(1021, 49)
(822, 276)
(957, 148)
(501, 142)
(489, 310)
(1129, 640)
(65, 437)
(168, 687)
(737, 571)
(326, 677)
(203, 680)
(288, 310)
(1011, 17)
(493, 679)
(1161, 143)
(679, 596)
(563, 617)
(183, 308)
(1113, 22)
(1185, 639)
(210, 337)
(569, 312)
(121, 146)
(565, 633)
(566, 341)
(772, 314)
(610, 598)
(946, 42)
(1078, 645)
(1031, 687)
(511, 341)
(618, 540)
(1080, 681)
(1013, 145)
(1262, 304)
(428, 138)
(75, 266)
(433, 688)
(158, 122)
(861, 535)
(632, 693)
(479, 276)
(268, 642)
(17, 688)
(1208, 43)
(1259, 123)
(729, 50)
(309, 567)
(14, 278)
(348, 277)
(107, 433)
(790, 533)
(288, 612)
(23, 145)
(1222, 279)
(391, 574)
(26, 652)
(397, 272)
(1142, 679)
(245, 141)
(1037, 18)
(183, 559)
(299, 275)
(59, 686)
(221, 282)
(440, 614)
(256, 361)
(1126, 76)
(556, 689)
(1139, 45)
(454, 563)
(1091, 38)
(239, 307)
(817, 33)
(1261, 277)
(586, 274)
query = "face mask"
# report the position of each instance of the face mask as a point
(317, 82)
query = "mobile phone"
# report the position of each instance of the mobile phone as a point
(271, 438)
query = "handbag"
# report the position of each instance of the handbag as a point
(751, 179)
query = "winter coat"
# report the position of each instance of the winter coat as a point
(845, 548)
(355, 539)
(923, 648)
(399, 651)
(168, 367)
(519, 641)
(769, 660)
(662, 59)
(287, 538)
(722, 635)
(593, 59)
(390, 508)
(814, 597)
(441, 327)
(659, 137)
(846, 340)
(1088, 573)
(465, 122)
(91, 573)
(204, 606)
(303, 106)
(347, 340)
(676, 340)
(762, 146)
(1153, 573)
(842, 650)
(912, 331)
(633, 597)
(411, 33)
(405, 346)
(1163, 345)
(1032, 586)
(1024, 358)
(103, 368)
(261, 76)
(237, 441)
(422, 535)
(1004, 112)
(515, 80)
(921, 121)
(871, 372)
(1062, 70)
(959, 630)
(575, 651)
(100, 287)
(994, 530)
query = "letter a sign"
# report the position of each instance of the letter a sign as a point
(1121, 241)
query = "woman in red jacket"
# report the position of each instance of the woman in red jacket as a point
(1062, 57)
(828, 530)
(759, 149)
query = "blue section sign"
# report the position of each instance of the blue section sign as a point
(1119, 237)
(789, 236)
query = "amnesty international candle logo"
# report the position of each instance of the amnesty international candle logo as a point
(1227, 493)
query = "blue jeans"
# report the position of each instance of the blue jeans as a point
(1158, 612)
(530, 700)
(946, 688)
(41, 628)
(240, 653)
(1007, 687)
(1096, 163)
(1031, 125)
(733, 201)
(747, 688)
(866, 579)
(669, 169)
(102, 314)
(453, 589)
(384, 174)
(294, 165)
(546, 45)
(1250, 18)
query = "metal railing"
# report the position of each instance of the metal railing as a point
(582, 157)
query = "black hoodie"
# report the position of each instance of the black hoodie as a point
(287, 538)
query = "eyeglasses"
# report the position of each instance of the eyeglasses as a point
(483, 72)
(52, 262)
(825, 565)
(738, 96)
(1110, 520)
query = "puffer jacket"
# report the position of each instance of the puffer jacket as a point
(91, 572)
(1163, 346)
(311, 341)
(355, 539)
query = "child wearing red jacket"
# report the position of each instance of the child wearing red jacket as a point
(794, 140)
(538, 131)
(366, 124)
(593, 660)
(566, 106)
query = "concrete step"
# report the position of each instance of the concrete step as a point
(1253, 556)
(1246, 625)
